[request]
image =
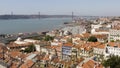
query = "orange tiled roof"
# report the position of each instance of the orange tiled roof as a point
(12, 44)
(114, 44)
(1, 56)
(91, 64)
(77, 46)
(14, 65)
(23, 56)
(55, 60)
(40, 57)
(3, 47)
(97, 30)
(100, 46)
(49, 47)
(46, 57)
(15, 54)
(111, 43)
(68, 44)
(100, 36)
(86, 35)
(78, 35)
(88, 46)
(27, 64)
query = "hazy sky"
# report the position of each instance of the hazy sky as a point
(79, 7)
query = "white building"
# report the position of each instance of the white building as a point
(112, 49)
(114, 34)
(20, 41)
(50, 34)
(100, 29)
(96, 26)
(37, 47)
(75, 39)
(93, 31)
(99, 49)
(26, 41)
(75, 29)
(31, 41)
(55, 43)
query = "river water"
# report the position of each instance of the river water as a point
(31, 25)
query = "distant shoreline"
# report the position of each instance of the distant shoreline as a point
(7, 17)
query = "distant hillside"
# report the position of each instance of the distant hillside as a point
(31, 16)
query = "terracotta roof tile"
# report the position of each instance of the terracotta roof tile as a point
(14, 65)
(86, 35)
(111, 43)
(68, 44)
(101, 36)
(12, 44)
(46, 57)
(100, 46)
(91, 64)
(27, 64)
(15, 54)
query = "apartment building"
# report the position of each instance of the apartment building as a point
(112, 48)
(114, 35)
(99, 50)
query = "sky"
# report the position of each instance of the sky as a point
(60, 7)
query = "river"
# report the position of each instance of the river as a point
(31, 25)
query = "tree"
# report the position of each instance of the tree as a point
(31, 48)
(48, 38)
(112, 62)
(92, 39)
(112, 40)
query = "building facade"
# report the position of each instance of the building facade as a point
(114, 35)
(113, 49)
